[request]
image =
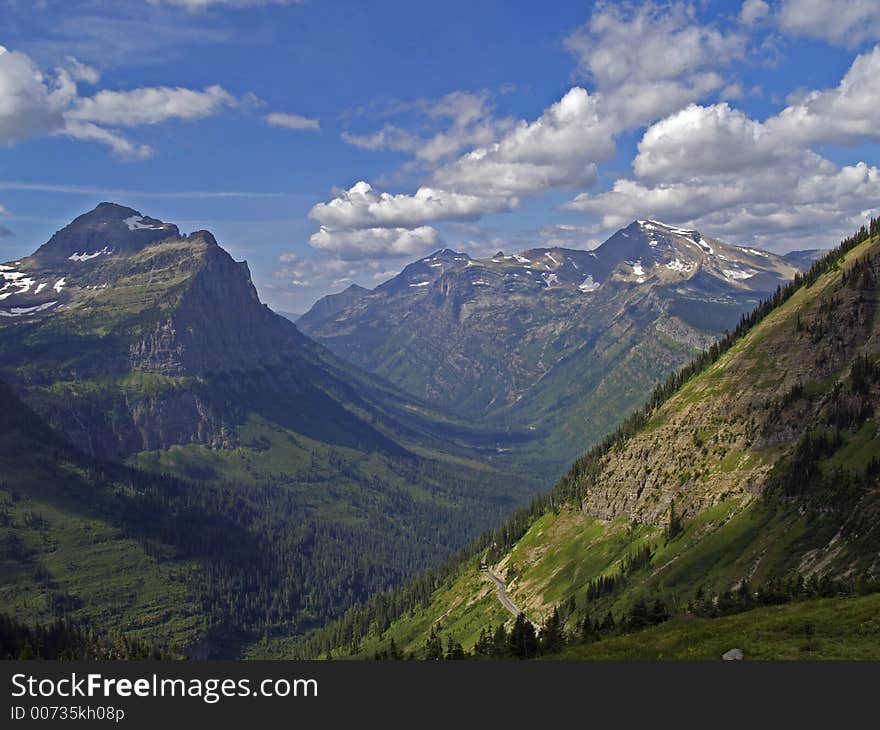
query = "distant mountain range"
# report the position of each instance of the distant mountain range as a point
(555, 341)
(748, 483)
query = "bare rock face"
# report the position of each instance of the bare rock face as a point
(719, 437)
(131, 337)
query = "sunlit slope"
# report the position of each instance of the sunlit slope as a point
(762, 464)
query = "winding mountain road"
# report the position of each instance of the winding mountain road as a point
(502, 593)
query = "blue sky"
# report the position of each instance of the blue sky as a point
(329, 142)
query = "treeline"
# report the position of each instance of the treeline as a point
(779, 591)
(566, 626)
(64, 640)
(377, 614)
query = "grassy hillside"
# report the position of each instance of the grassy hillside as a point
(758, 462)
(836, 628)
(79, 541)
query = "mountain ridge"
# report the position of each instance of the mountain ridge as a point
(508, 341)
(787, 489)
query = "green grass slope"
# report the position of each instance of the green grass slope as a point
(834, 628)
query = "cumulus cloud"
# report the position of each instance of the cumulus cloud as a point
(566, 235)
(375, 242)
(363, 207)
(846, 114)
(292, 121)
(33, 104)
(753, 11)
(559, 149)
(716, 168)
(798, 203)
(645, 61)
(845, 22)
(30, 104)
(649, 60)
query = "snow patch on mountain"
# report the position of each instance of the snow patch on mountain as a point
(738, 274)
(136, 222)
(638, 272)
(88, 256)
(22, 311)
(588, 284)
(59, 285)
(12, 278)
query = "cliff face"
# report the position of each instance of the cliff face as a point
(219, 324)
(132, 337)
(725, 432)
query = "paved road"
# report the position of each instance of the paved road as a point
(502, 593)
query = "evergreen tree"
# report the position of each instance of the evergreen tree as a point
(551, 639)
(638, 616)
(454, 650)
(433, 648)
(522, 641)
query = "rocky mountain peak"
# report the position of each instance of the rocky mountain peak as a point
(108, 228)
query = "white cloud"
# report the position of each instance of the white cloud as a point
(645, 61)
(149, 105)
(700, 141)
(34, 105)
(363, 207)
(123, 147)
(375, 242)
(566, 235)
(715, 167)
(649, 60)
(846, 114)
(798, 204)
(559, 149)
(81, 72)
(30, 104)
(843, 22)
(292, 121)
(753, 11)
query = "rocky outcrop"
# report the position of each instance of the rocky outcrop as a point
(219, 324)
(721, 435)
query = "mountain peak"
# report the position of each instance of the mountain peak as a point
(652, 225)
(108, 228)
(445, 253)
(109, 210)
